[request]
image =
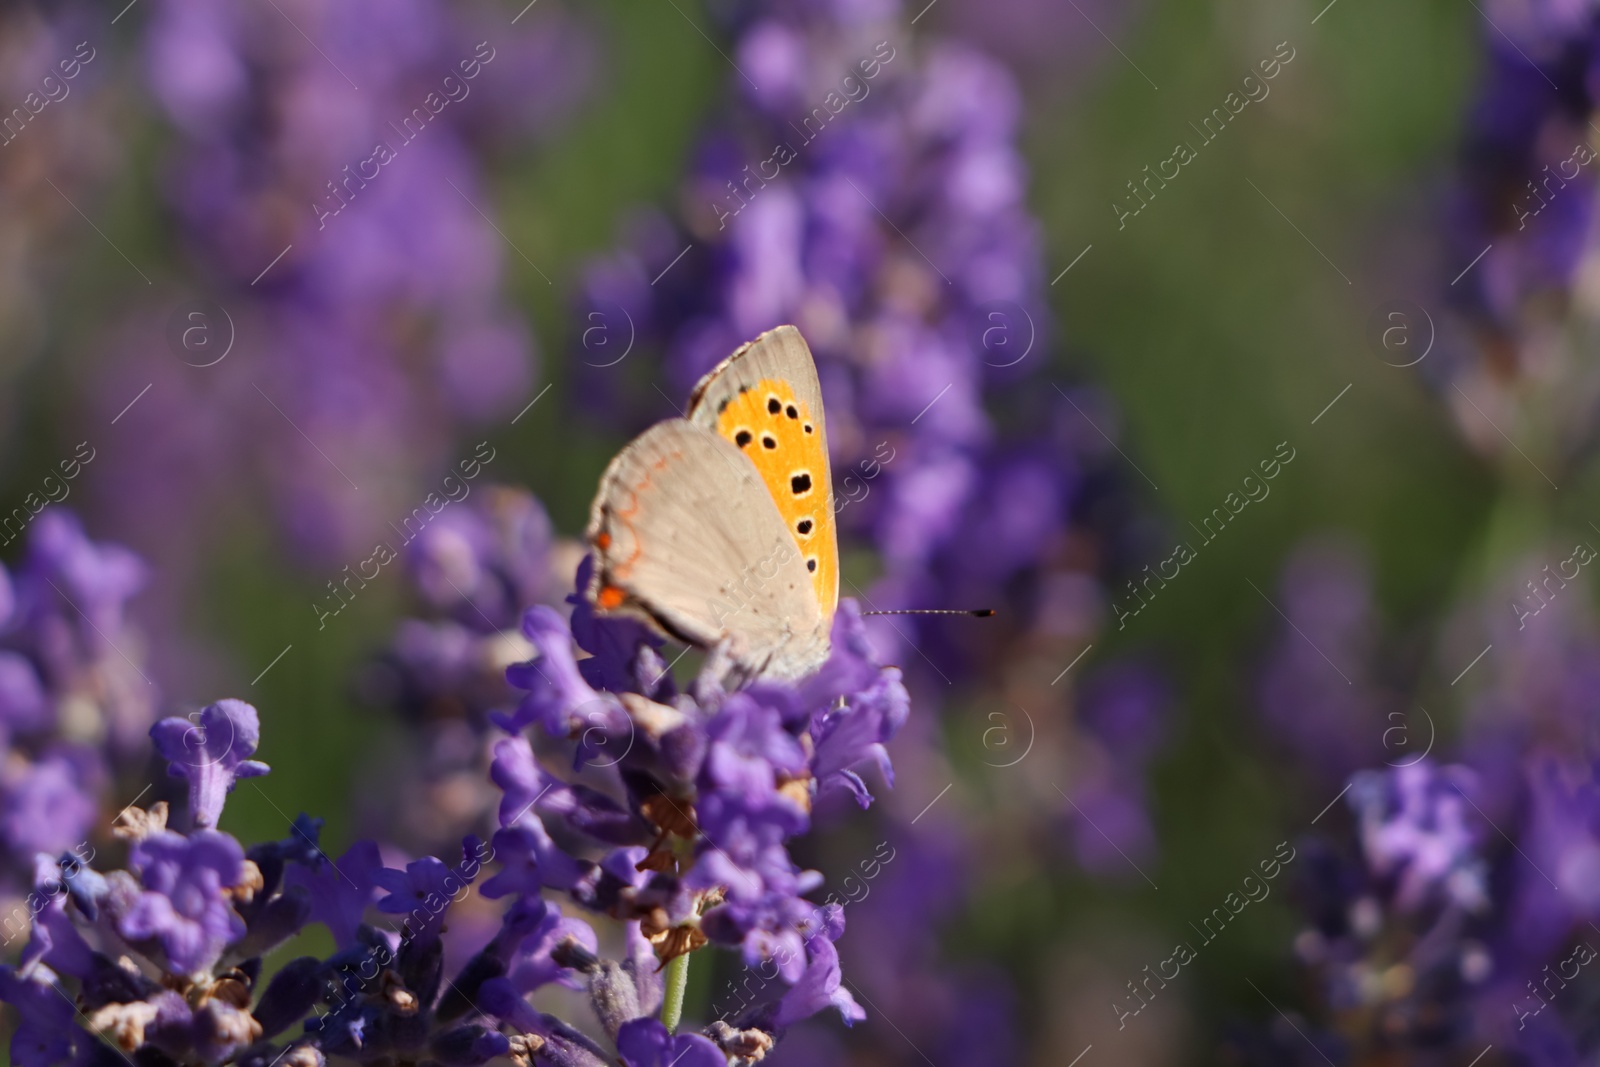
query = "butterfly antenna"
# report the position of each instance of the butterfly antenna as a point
(976, 613)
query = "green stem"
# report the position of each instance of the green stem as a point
(672, 1000)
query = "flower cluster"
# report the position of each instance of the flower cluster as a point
(673, 821)
(1457, 912)
(1399, 932)
(75, 695)
(164, 954)
(474, 570)
(716, 783)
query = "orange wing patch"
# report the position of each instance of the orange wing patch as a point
(776, 431)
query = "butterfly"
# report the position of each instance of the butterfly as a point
(717, 529)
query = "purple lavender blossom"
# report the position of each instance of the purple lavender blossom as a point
(1457, 915)
(1521, 213)
(749, 784)
(183, 905)
(1398, 937)
(818, 988)
(715, 786)
(75, 688)
(46, 1032)
(340, 891)
(647, 1043)
(70, 622)
(1418, 829)
(49, 806)
(212, 752)
(474, 570)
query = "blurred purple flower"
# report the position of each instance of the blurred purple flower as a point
(818, 989)
(340, 891)
(75, 691)
(1326, 590)
(49, 806)
(1466, 891)
(1519, 216)
(1415, 828)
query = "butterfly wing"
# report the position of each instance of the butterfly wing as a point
(686, 536)
(766, 400)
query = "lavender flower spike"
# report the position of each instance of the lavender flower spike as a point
(211, 749)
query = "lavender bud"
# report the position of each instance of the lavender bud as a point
(613, 995)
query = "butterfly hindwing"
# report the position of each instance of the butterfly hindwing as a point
(686, 535)
(765, 399)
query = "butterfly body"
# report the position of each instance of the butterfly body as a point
(717, 529)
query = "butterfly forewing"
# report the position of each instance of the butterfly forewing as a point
(765, 399)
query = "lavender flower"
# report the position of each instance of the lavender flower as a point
(474, 570)
(686, 847)
(50, 805)
(74, 688)
(183, 906)
(717, 783)
(646, 1043)
(1398, 938)
(1521, 214)
(1456, 912)
(1333, 729)
(1415, 830)
(211, 753)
